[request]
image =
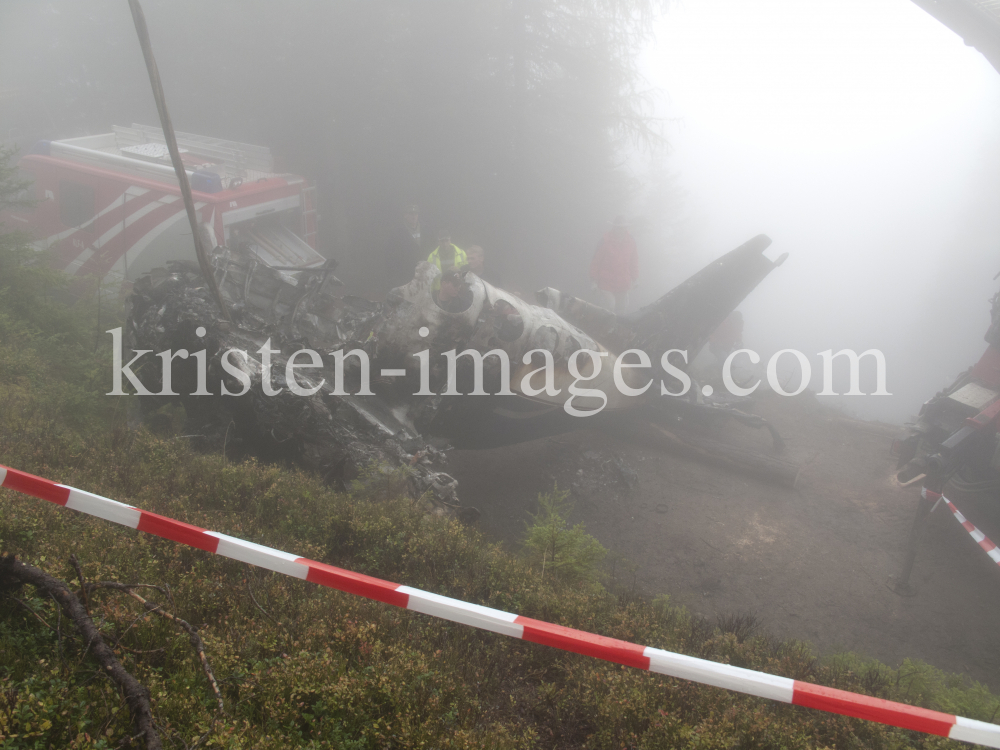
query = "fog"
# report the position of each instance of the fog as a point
(860, 135)
(863, 137)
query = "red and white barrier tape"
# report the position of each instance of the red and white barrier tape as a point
(982, 540)
(621, 652)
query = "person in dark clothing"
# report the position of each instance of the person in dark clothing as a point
(402, 251)
(454, 295)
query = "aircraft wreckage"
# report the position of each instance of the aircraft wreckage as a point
(407, 417)
(267, 293)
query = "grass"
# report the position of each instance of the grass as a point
(302, 666)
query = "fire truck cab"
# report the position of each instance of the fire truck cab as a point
(110, 205)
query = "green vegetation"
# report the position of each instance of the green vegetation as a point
(303, 666)
(568, 554)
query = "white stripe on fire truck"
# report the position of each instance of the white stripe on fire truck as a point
(49, 241)
(133, 251)
(74, 266)
(132, 218)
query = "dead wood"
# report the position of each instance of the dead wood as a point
(13, 570)
(196, 641)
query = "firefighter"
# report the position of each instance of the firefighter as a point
(615, 267)
(446, 255)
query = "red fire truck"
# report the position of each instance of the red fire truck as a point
(110, 206)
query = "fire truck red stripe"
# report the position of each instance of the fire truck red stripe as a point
(588, 644)
(873, 709)
(177, 531)
(64, 251)
(355, 583)
(29, 484)
(104, 258)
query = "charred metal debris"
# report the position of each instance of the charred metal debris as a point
(336, 437)
(339, 436)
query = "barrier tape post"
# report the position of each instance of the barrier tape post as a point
(990, 548)
(726, 676)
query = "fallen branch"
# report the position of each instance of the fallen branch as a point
(79, 575)
(12, 569)
(196, 642)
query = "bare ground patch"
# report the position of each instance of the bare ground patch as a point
(814, 562)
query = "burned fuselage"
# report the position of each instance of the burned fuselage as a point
(547, 365)
(335, 382)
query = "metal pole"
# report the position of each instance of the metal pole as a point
(168, 135)
(924, 509)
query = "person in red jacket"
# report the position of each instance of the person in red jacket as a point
(615, 267)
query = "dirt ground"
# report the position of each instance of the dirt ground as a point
(815, 562)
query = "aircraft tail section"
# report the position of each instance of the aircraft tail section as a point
(684, 317)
